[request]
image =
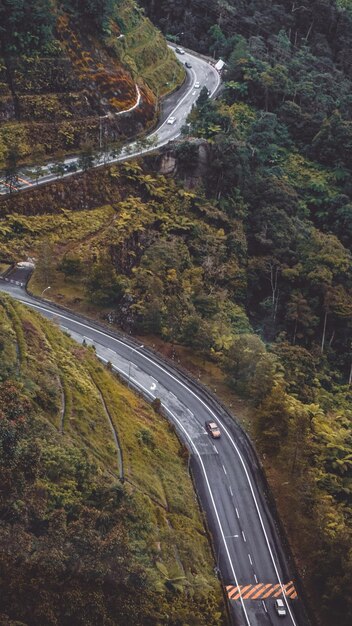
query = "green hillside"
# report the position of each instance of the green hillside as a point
(64, 65)
(174, 264)
(230, 249)
(79, 546)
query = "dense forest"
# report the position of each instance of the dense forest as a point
(279, 161)
(325, 25)
(78, 545)
(236, 243)
(162, 259)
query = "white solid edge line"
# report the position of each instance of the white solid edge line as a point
(214, 506)
(50, 177)
(138, 384)
(178, 104)
(261, 522)
(218, 80)
(100, 332)
(243, 465)
(192, 444)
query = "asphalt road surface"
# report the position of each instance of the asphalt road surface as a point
(177, 106)
(250, 557)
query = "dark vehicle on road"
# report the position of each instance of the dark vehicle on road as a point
(71, 167)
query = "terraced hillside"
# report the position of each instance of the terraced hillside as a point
(66, 80)
(78, 545)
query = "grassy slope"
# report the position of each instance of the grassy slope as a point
(65, 383)
(61, 94)
(180, 219)
(145, 51)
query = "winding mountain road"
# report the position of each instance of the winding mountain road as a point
(178, 105)
(251, 560)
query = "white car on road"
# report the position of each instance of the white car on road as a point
(213, 429)
(280, 607)
(197, 85)
(171, 120)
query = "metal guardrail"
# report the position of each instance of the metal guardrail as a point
(13, 282)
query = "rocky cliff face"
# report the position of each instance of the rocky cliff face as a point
(188, 159)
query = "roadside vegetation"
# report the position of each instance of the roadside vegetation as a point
(67, 68)
(279, 146)
(165, 260)
(78, 545)
(240, 255)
